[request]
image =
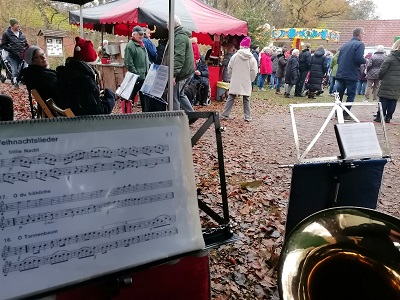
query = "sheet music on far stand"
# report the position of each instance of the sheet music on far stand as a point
(156, 81)
(357, 140)
(90, 196)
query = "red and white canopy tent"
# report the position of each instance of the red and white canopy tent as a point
(195, 15)
(204, 21)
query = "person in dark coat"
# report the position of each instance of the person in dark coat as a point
(304, 67)
(280, 71)
(14, 42)
(255, 50)
(389, 90)
(150, 47)
(201, 80)
(229, 51)
(318, 68)
(160, 50)
(38, 75)
(292, 72)
(351, 57)
(362, 80)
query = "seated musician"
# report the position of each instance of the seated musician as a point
(38, 75)
(78, 83)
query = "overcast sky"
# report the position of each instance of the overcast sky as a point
(388, 9)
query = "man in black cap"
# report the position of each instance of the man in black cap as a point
(137, 61)
(14, 42)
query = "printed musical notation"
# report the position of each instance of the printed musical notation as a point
(83, 210)
(98, 152)
(36, 248)
(83, 252)
(42, 202)
(56, 173)
(82, 198)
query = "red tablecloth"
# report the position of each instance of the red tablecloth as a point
(214, 77)
(187, 279)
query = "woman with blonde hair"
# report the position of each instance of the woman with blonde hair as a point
(389, 90)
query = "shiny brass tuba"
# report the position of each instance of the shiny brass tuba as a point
(342, 253)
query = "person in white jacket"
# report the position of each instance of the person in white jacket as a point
(243, 69)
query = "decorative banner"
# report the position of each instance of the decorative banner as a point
(305, 33)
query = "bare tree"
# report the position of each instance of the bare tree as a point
(363, 10)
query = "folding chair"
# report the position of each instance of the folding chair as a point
(49, 108)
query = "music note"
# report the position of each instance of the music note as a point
(24, 176)
(8, 177)
(22, 161)
(2, 223)
(133, 151)
(41, 175)
(5, 252)
(6, 267)
(50, 159)
(122, 152)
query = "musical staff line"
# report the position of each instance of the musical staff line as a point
(83, 252)
(56, 173)
(42, 202)
(36, 248)
(83, 210)
(97, 152)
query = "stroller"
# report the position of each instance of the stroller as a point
(5, 65)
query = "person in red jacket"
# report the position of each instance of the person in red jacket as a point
(265, 67)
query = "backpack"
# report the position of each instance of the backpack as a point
(78, 89)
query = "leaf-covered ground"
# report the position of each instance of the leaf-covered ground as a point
(257, 159)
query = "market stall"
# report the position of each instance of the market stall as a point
(120, 16)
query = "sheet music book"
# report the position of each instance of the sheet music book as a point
(155, 81)
(89, 196)
(357, 140)
(127, 85)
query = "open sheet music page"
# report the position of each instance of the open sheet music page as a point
(357, 140)
(89, 196)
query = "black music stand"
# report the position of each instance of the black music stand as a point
(318, 186)
(348, 180)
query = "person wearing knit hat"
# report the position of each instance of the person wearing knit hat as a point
(29, 55)
(14, 42)
(38, 75)
(243, 69)
(84, 50)
(13, 21)
(78, 83)
(246, 42)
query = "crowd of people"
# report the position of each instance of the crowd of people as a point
(348, 72)
(243, 66)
